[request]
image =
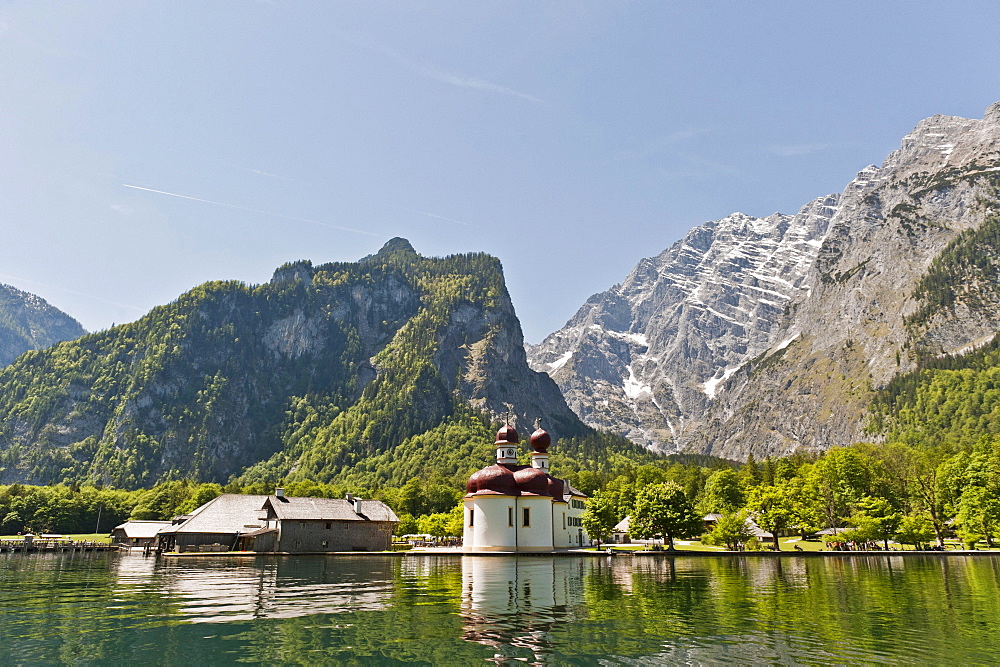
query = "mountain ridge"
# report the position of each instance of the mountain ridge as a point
(29, 322)
(320, 374)
(801, 376)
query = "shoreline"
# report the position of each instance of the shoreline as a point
(575, 553)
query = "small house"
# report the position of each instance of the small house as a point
(619, 534)
(137, 533)
(216, 525)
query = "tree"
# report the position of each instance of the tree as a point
(600, 517)
(921, 475)
(407, 525)
(840, 479)
(12, 523)
(915, 530)
(750, 471)
(455, 526)
(731, 531)
(411, 497)
(978, 514)
(664, 510)
(201, 495)
(434, 524)
(876, 520)
(771, 507)
(723, 493)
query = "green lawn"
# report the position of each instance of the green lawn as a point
(787, 544)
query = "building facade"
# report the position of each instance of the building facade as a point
(281, 524)
(518, 508)
(137, 533)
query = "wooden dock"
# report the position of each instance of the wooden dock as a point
(53, 546)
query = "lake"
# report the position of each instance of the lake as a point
(475, 610)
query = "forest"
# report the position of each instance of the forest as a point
(933, 466)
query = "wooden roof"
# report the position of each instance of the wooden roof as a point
(330, 509)
(142, 529)
(229, 513)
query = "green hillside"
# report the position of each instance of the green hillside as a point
(373, 371)
(953, 402)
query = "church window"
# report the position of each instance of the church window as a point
(527, 517)
(472, 517)
(510, 516)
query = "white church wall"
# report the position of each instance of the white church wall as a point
(537, 534)
(487, 521)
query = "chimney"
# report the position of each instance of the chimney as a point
(349, 497)
(279, 492)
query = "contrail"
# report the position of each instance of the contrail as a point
(431, 71)
(254, 210)
(441, 217)
(430, 215)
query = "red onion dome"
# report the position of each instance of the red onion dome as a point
(540, 441)
(496, 479)
(507, 436)
(556, 489)
(532, 480)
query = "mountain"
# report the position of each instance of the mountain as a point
(28, 322)
(778, 333)
(375, 371)
(645, 356)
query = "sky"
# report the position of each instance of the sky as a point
(148, 147)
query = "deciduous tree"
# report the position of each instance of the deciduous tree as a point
(664, 510)
(600, 517)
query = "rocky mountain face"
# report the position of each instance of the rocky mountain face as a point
(647, 356)
(763, 336)
(323, 370)
(28, 322)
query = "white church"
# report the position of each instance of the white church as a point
(517, 508)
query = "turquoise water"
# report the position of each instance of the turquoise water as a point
(453, 610)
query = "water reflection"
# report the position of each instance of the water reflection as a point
(471, 610)
(221, 590)
(513, 604)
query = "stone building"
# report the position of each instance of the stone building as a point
(329, 524)
(281, 524)
(518, 508)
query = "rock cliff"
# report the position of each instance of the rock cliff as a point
(872, 313)
(765, 335)
(28, 322)
(646, 357)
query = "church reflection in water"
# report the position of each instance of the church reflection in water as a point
(515, 603)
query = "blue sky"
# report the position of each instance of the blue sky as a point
(570, 139)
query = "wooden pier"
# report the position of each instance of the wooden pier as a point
(52, 546)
